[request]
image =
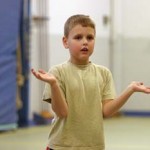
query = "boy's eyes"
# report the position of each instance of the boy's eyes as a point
(90, 37)
(79, 37)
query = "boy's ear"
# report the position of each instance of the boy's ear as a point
(65, 42)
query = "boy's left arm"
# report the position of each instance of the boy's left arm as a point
(112, 106)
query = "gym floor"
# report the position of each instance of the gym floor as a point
(121, 133)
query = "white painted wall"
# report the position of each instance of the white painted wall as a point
(132, 49)
(59, 13)
(136, 18)
(132, 18)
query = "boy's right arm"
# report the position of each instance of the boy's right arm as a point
(59, 104)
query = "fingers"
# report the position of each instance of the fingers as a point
(141, 83)
(36, 74)
(148, 89)
(137, 83)
(33, 71)
(41, 71)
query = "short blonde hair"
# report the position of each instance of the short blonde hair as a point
(74, 20)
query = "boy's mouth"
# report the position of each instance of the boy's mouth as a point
(84, 49)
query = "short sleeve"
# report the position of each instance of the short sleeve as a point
(56, 71)
(109, 88)
(47, 93)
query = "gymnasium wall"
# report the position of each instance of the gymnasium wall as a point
(132, 51)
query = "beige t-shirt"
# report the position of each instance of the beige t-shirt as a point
(84, 87)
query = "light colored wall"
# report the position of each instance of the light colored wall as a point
(59, 13)
(136, 18)
(135, 67)
(132, 49)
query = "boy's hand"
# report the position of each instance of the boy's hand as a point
(44, 76)
(139, 87)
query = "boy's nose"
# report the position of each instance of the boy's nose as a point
(85, 41)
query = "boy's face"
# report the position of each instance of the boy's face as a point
(80, 43)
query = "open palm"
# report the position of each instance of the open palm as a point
(43, 76)
(140, 87)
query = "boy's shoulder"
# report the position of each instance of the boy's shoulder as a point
(61, 65)
(101, 67)
(58, 67)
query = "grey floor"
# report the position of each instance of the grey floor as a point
(121, 133)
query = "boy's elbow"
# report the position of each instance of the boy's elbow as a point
(63, 114)
(107, 114)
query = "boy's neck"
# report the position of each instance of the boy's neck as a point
(79, 63)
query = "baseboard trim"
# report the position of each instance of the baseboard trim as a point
(136, 113)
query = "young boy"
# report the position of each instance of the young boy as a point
(81, 93)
